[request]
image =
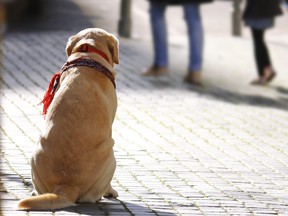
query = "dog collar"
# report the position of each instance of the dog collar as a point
(54, 83)
(92, 64)
(87, 48)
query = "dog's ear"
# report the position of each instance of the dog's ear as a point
(70, 44)
(113, 46)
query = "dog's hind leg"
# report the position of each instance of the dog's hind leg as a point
(101, 186)
(110, 192)
(39, 187)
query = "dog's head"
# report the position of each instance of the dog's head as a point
(98, 39)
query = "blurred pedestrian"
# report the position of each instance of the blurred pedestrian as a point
(2, 20)
(260, 16)
(286, 4)
(159, 34)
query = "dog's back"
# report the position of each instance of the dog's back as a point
(75, 160)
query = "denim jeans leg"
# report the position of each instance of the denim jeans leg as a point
(159, 33)
(195, 31)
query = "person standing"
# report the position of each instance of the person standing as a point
(159, 34)
(260, 16)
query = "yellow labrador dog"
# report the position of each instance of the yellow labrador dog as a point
(74, 161)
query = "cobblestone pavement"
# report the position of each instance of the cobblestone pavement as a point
(180, 150)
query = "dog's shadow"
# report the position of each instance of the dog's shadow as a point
(115, 207)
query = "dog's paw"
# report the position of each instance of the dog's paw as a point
(34, 193)
(110, 193)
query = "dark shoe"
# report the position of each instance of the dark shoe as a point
(268, 76)
(156, 71)
(194, 78)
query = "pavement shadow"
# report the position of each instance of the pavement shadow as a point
(222, 94)
(46, 15)
(282, 90)
(114, 207)
(242, 98)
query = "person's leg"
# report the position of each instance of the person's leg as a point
(195, 32)
(262, 57)
(159, 34)
(260, 50)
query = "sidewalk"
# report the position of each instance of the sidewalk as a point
(180, 150)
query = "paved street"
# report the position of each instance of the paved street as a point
(180, 150)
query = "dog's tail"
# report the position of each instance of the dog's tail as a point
(63, 197)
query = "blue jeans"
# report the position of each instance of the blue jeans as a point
(159, 33)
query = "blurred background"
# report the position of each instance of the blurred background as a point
(29, 15)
